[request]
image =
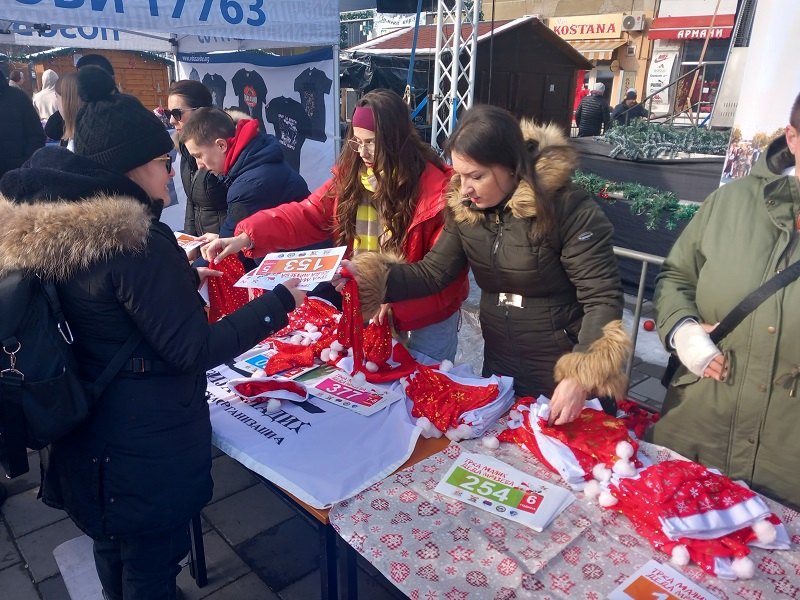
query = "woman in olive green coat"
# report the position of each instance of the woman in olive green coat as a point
(741, 413)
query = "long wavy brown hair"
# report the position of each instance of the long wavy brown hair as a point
(399, 161)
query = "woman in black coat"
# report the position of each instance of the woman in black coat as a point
(135, 473)
(206, 195)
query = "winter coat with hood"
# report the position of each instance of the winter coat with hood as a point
(20, 129)
(45, 100)
(746, 426)
(593, 116)
(314, 219)
(141, 461)
(568, 324)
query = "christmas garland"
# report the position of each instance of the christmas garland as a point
(642, 140)
(644, 200)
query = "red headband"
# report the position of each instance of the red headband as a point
(363, 118)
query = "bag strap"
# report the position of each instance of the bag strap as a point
(737, 315)
(754, 300)
(116, 363)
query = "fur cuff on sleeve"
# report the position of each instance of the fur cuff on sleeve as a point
(600, 369)
(373, 268)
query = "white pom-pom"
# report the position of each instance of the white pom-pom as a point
(296, 339)
(428, 429)
(371, 366)
(337, 317)
(462, 432)
(513, 415)
(311, 328)
(624, 468)
(490, 442)
(273, 405)
(335, 345)
(765, 531)
(306, 341)
(592, 489)
(349, 352)
(625, 450)
(259, 373)
(334, 356)
(404, 382)
(606, 499)
(600, 472)
(359, 378)
(446, 366)
(325, 355)
(679, 556)
(743, 568)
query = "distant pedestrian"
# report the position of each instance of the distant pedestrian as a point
(17, 79)
(593, 116)
(629, 110)
(20, 129)
(45, 100)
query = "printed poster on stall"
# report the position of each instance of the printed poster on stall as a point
(498, 488)
(660, 75)
(655, 581)
(771, 82)
(311, 267)
(291, 97)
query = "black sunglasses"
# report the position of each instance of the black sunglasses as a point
(168, 162)
(177, 113)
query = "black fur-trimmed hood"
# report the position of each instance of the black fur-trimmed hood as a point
(60, 213)
(554, 167)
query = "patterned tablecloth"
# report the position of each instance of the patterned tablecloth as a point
(433, 547)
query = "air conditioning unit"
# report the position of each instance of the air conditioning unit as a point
(635, 22)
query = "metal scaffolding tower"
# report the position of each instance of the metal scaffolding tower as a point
(454, 70)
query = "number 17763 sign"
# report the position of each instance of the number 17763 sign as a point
(311, 267)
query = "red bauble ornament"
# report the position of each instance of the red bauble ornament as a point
(649, 325)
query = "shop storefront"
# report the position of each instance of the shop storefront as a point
(681, 30)
(617, 46)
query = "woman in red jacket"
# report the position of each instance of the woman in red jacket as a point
(386, 195)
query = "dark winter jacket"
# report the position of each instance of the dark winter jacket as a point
(260, 178)
(623, 114)
(567, 324)
(141, 462)
(21, 131)
(593, 116)
(206, 197)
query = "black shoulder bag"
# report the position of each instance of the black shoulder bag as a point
(737, 315)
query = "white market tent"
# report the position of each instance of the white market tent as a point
(171, 25)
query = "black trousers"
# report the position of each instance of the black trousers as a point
(142, 567)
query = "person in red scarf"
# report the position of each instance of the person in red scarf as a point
(249, 161)
(386, 196)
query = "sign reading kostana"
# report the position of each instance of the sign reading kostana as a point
(276, 21)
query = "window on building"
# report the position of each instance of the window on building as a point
(708, 77)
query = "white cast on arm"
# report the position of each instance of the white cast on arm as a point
(694, 347)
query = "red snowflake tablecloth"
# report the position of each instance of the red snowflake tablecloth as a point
(433, 547)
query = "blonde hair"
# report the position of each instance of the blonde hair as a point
(67, 88)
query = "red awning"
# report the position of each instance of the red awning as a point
(691, 28)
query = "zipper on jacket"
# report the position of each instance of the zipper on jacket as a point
(496, 246)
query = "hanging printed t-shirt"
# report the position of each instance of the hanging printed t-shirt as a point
(194, 75)
(252, 93)
(292, 127)
(217, 85)
(312, 85)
